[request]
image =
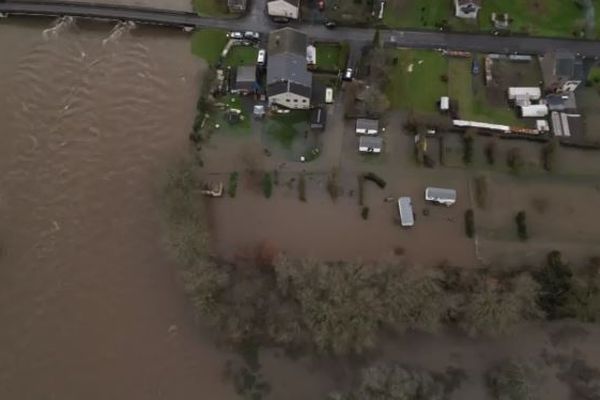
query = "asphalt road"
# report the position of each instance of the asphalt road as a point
(256, 20)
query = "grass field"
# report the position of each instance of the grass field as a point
(416, 13)
(285, 128)
(328, 56)
(241, 55)
(539, 17)
(471, 96)
(215, 8)
(208, 44)
(420, 89)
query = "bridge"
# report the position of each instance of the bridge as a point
(257, 21)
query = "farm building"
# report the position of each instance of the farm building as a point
(289, 83)
(446, 197)
(407, 217)
(534, 111)
(367, 126)
(562, 71)
(370, 144)
(283, 8)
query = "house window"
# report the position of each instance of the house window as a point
(295, 100)
(304, 100)
(287, 100)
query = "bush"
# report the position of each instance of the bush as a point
(468, 148)
(490, 152)
(267, 185)
(361, 190)
(302, 187)
(469, 223)
(514, 160)
(233, 183)
(556, 283)
(521, 220)
(481, 191)
(513, 380)
(364, 213)
(375, 178)
(549, 155)
(332, 184)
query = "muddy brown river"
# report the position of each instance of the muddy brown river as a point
(89, 304)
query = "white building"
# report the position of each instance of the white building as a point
(466, 8)
(446, 197)
(283, 8)
(534, 111)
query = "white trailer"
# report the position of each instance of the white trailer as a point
(446, 197)
(407, 217)
(532, 93)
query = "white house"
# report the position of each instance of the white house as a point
(283, 8)
(466, 8)
(289, 83)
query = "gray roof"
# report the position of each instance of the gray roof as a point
(567, 66)
(287, 40)
(286, 71)
(318, 116)
(288, 66)
(367, 124)
(370, 141)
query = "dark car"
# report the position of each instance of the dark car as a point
(330, 24)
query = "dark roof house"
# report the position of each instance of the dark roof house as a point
(245, 79)
(286, 71)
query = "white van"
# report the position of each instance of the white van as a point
(328, 95)
(262, 55)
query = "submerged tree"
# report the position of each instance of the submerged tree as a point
(513, 380)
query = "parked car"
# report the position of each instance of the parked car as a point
(252, 35)
(330, 24)
(235, 35)
(262, 56)
(328, 95)
(348, 74)
(475, 68)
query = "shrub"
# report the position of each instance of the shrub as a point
(379, 181)
(364, 213)
(267, 185)
(556, 283)
(490, 152)
(469, 223)
(514, 160)
(233, 183)
(521, 220)
(302, 187)
(481, 191)
(549, 155)
(468, 148)
(361, 190)
(332, 184)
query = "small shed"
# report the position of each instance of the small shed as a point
(407, 217)
(367, 126)
(370, 144)
(443, 196)
(318, 118)
(245, 80)
(534, 111)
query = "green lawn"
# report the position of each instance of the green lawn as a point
(208, 44)
(420, 89)
(417, 13)
(541, 17)
(241, 55)
(215, 8)
(285, 128)
(329, 57)
(471, 96)
(242, 127)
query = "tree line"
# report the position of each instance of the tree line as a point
(343, 307)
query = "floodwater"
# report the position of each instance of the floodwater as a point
(90, 307)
